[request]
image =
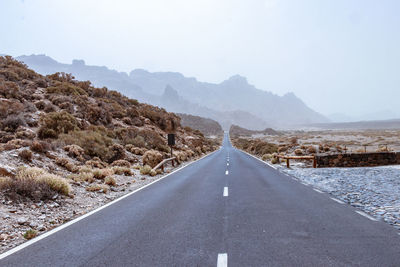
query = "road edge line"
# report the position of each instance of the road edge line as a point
(59, 228)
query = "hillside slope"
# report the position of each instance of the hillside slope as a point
(207, 126)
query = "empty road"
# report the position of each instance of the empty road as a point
(226, 209)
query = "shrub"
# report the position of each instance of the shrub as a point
(83, 177)
(94, 143)
(121, 163)
(97, 188)
(65, 88)
(67, 164)
(311, 150)
(75, 151)
(12, 122)
(152, 158)
(26, 155)
(275, 160)
(110, 180)
(115, 152)
(35, 183)
(29, 234)
(56, 183)
(146, 169)
(266, 157)
(298, 152)
(96, 163)
(122, 170)
(102, 173)
(55, 123)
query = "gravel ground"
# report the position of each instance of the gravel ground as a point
(374, 190)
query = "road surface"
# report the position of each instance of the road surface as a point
(226, 209)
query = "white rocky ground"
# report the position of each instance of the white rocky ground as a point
(17, 218)
(374, 190)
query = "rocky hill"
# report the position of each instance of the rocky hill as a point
(67, 147)
(258, 109)
(236, 131)
(208, 127)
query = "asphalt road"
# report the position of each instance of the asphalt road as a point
(243, 214)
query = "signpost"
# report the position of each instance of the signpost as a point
(171, 141)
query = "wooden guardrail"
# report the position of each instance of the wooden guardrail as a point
(161, 164)
(288, 158)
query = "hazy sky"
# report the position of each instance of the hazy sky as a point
(336, 55)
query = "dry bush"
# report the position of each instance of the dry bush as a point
(121, 163)
(135, 150)
(67, 164)
(75, 151)
(110, 180)
(25, 133)
(298, 152)
(35, 183)
(266, 157)
(282, 149)
(65, 88)
(311, 150)
(94, 143)
(294, 140)
(122, 171)
(83, 177)
(55, 123)
(96, 163)
(152, 158)
(26, 155)
(12, 122)
(98, 188)
(102, 173)
(115, 152)
(275, 160)
(146, 169)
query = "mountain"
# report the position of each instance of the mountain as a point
(233, 101)
(207, 126)
(236, 131)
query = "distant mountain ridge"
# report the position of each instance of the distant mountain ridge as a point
(233, 101)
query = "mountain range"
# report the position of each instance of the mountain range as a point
(233, 101)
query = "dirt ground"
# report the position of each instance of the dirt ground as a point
(353, 141)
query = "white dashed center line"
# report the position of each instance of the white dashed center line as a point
(227, 164)
(319, 191)
(222, 260)
(226, 172)
(225, 191)
(337, 200)
(366, 215)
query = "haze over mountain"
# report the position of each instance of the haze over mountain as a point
(233, 101)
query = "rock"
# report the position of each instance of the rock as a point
(33, 224)
(41, 227)
(3, 237)
(22, 220)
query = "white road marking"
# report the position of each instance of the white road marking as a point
(259, 160)
(337, 200)
(55, 230)
(319, 191)
(366, 215)
(226, 172)
(227, 164)
(225, 191)
(222, 260)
